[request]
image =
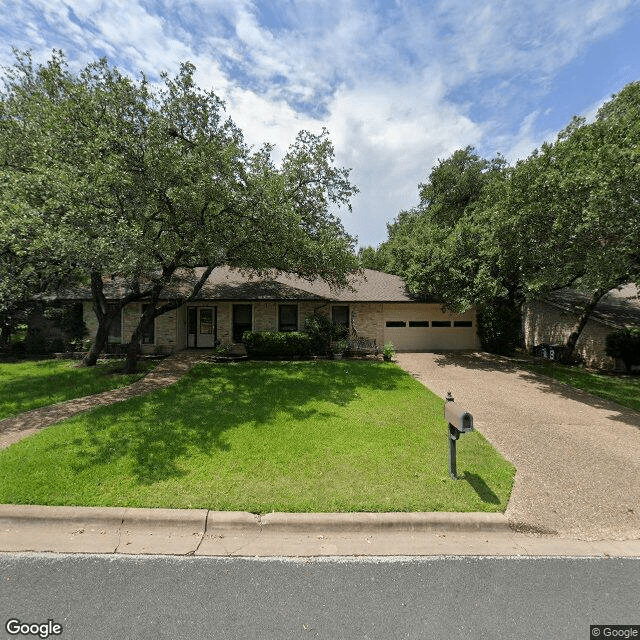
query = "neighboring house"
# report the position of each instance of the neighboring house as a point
(375, 305)
(552, 321)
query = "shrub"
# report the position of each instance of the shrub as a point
(263, 344)
(388, 351)
(499, 328)
(624, 344)
(323, 331)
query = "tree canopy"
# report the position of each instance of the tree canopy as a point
(118, 177)
(494, 236)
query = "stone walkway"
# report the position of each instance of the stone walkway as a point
(169, 371)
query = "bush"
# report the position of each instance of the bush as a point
(263, 344)
(323, 331)
(624, 344)
(500, 328)
(35, 344)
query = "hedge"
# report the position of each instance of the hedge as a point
(274, 343)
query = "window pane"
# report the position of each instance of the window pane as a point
(115, 330)
(418, 323)
(288, 317)
(340, 315)
(148, 337)
(206, 320)
(396, 323)
(462, 323)
(441, 323)
(241, 321)
(242, 313)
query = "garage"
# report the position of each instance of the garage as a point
(426, 327)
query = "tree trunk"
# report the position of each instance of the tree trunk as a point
(567, 355)
(97, 346)
(133, 351)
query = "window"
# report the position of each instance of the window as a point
(242, 321)
(206, 320)
(396, 323)
(441, 323)
(418, 323)
(462, 323)
(115, 329)
(288, 317)
(340, 314)
(149, 334)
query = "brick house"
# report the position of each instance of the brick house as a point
(552, 321)
(375, 305)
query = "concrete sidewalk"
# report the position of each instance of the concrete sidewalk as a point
(577, 456)
(26, 528)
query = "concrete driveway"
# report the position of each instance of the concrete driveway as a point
(577, 456)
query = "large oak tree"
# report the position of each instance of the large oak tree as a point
(140, 182)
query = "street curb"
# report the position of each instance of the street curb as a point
(219, 522)
(383, 522)
(28, 514)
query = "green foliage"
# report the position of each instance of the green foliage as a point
(623, 389)
(322, 332)
(388, 351)
(499, 328)
(624, 344)
(377, 259)
(495, 236)
(263, 344)
(324, 436)
(103, 174)
(33, 384)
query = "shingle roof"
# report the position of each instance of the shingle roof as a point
(230, 284)
(618, 308)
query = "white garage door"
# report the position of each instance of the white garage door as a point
(425, 327)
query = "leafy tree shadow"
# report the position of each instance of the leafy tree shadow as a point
(489, 362)
(153, 432)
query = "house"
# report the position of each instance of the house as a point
(375, 305)
(551, 321)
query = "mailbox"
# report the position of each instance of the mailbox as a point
(458, 418)
(460, 421)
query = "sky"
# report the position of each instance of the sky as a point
(398, 84)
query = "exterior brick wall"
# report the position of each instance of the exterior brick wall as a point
(366, 319)
(170, 329)
(544, 323)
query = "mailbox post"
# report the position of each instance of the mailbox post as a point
(459, 421)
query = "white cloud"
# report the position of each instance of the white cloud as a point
(380, 75)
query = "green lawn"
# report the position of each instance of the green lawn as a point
(259, 437)
(623, 389)
(32, 384)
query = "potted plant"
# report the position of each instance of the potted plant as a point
(338, 349)
(388, 351)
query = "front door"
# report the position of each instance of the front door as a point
(242, 320)
(201, 327)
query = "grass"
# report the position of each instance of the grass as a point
(260, 437)
(32, 384)
(623, 389)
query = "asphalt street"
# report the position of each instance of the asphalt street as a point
(156, 597)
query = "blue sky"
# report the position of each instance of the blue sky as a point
(398, 84)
